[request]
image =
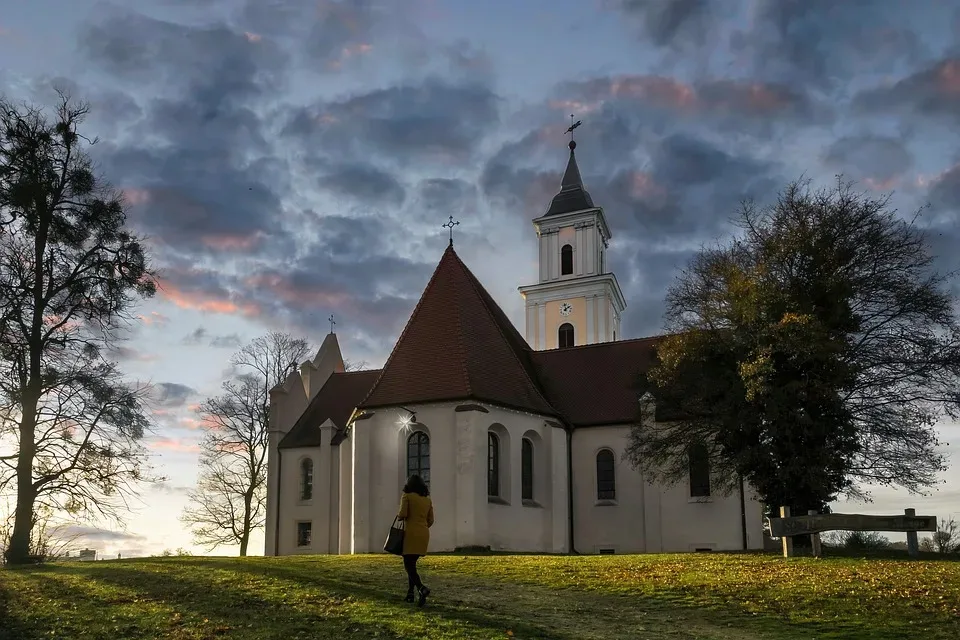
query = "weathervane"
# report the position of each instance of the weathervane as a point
(573, 125)
(332, 322)
(450, 225)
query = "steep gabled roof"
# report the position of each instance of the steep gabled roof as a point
(335, 401)
(458, 344)
(572, 196)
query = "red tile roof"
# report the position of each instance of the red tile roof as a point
(335, 401)
(457, 345)
(598, 384)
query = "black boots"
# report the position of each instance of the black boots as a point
(424, 592)
(409, 597)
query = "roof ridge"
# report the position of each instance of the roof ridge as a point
(534, 380)
(463, 356)
(602, 344)
(413, 315)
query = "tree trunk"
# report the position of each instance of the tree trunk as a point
(18, 551)
(245, 537)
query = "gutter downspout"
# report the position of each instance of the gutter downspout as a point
(276, 530)
(743, 514)
(569, 431)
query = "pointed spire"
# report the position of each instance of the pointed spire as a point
(572, 195)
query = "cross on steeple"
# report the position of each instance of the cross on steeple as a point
(573, 125)
(450, 225)
(332, 322)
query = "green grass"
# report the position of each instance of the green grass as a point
(723, 596)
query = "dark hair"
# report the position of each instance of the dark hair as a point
(415, 484)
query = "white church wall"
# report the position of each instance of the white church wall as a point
(516, 524)
(652, 518)
(287, 402)
(714, 523)
(617, 524)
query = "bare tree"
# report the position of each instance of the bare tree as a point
(355, 365)
(230, 499)
(946, 539)
(70, 272)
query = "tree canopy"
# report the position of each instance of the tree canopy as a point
(811, 355)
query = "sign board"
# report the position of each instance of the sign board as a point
(804, 525)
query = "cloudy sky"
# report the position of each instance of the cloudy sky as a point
(290, 159)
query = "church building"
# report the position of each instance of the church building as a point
(521, 440)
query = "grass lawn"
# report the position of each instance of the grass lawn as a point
(723, 596)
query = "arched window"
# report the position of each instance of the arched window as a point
(526, 469)
(493, 465)
(418, 455)
(306, 479)
(566, 260)
(606, 477)
(699, 471)
(565, 335)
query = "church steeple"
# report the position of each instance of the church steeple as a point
(577, 301)
(572, 196)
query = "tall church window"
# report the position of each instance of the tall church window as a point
(418, 455)
(526, 469)
(306, 479)
(565, 335)
(566, 260)
(699, 460)
(606, 476)
(493, 465)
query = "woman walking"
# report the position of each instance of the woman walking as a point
(416, 510)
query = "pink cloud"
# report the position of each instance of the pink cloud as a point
(154, 318)
(174, 445)
(948, 76)
(200, 301)
(252, 37)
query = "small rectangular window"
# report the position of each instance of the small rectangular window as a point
(304, 533)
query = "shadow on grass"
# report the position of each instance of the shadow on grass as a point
(10, 624)
(208, 600)
(355, 586)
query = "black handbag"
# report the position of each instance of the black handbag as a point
(394, 543)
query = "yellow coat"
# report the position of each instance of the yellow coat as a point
(417, 513)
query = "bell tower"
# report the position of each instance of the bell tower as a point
(576, 301)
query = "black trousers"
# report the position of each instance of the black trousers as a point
(410, 564)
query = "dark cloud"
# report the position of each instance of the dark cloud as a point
(363, 182)
(931, 92)
(945, 192)
(879, 159)
(199, 168)
(229, 341)
(666, 23)
(439, 197)
(173, 394)
(201, 335)
(822, 43)
(433, 121)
